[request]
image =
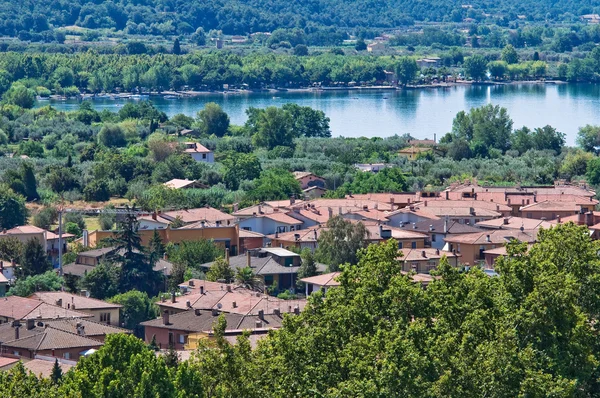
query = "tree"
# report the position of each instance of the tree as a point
(49, 281)
(300, 50)
(161, 146)
(29, 182)
(509, 54)
(103, 281)
(125, 367)
(107, 220)
(171, 357)
(588, 138)
(156, 246)
(307, 122)
(11, 248)
(406, 70)
(220, 270)
(12, 208)
(112, 135)
(575, 164)
(340, 242)
(176, 47)
(548, 138)
(20, 95)
(34, 260)
(488, 126)
(270, 127)
(136, 308)
(498, 69)
(308, 267)
(360, 45)
(56, 375)
(193, 253)
(96, 191)
(240, 167)
(213, 120)
(476, 67)
(592, 174)
(390, 179)
(275, 184)
(246, 278)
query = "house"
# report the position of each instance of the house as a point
(25, 233)
(590, 18)
(376, 47)
(52, 245)
(250, 240)
(184, 184)
(7, 363)
(189, 216)
(550, 210)
(515, 223)
(314, 192)
(414, 152)
(463, 211)
(153, 222)
(184, 329)
(15, 308)
(396, 200)
(367, 214)
(430, 62)
(199, 152)
(303, 239)
(424, 260)
(472, 246)
(277, 267)
(87, 261)
(270, 223)
(371, 167)
(438, 230)
(3, 285)
(320, 282)
(268, 207)
(308, 180)
(102, 311)
(410, 215)
(8, 269)
(34, 338)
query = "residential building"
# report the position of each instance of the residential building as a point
(515, 223)
(414, 152)
(371, 167)
(320, 282)
(551, 210)
(102, 311)
(425, 260)
(270, 223)
(429, 62)
(314, 192)
(307, 179)
(25, 233)
(42, 368)
(410, 215)
(303, 239)
(376, 47)
(268, 207)
(183, 330)
(199, 152)
(52, 245)
(438, 230)
(183, 184)
(190, 216)
(250, 240)
(8, 268)
(472, 246)
(15, 308)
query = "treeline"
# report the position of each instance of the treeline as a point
(528, 332)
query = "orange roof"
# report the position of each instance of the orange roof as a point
(323, 280)
(548, 205)
(425, 254)
(497, 237)
(24, 229)
(207, 214)
(196, 147)
(282, 218)
(7, 361)
(516, 223)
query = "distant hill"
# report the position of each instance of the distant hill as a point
(246, 16)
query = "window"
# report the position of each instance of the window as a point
(203, 156)
(171, 338)
(182, 339)
(247, 228)
(400, 245)
(413, 245)
(67, 355)
(105, 317)
(281, 229)
(16, 353)
(433, 237)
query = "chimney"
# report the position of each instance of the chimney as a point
(414, 225)
(261, 315)
(508, 201)
(498, 208)
(173, 297)
(392, 200)
(589, 219)
(535, 198)
(277, 312)
(260, 209)
(154, 216)
(430, 228)
(558, 219)
(258, 324)
(423, 254)
(59, 302)
(425, 203)
(227, 255)
(488, 238)
(292, 200)
(289, 308)
(506, 220)
(330, 210)
(229, 288)
(191, 282)
(447, 195)
(365, 207)
(201, 289)
(472, 211)
(197, 312)
(234, 304)
(165, 317)
(296, 310)
(248, 259)
(437, 252)
(215, 312)
(315, 234)
(17, 326)
(188, 304)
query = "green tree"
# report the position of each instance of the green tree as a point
(270, 127)
(220, 270)
(156, 246)
(213, 120)
(498, 69)
(360, 45)
(12, 208)
(308, 267)
(406, 70)
(34, 260)
(588, 138)
(112, 135)
(300, 50)
(56, 375)
(96, 191)
(176, 47)
(593, 171)
(390, 179)
(103, 281)
(246, 278)
(46, 282)
(29, 181)
(11, 248)
(340, 242)
(240, 167)
(192, 253)
(136, 308)
(275, 184)
(307, 122)
(20, 95)
(509, 54)
(476, 67)
(548, 138)
(171, 357)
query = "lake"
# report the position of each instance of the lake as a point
(420, 113)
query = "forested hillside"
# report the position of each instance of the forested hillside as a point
(239, 17)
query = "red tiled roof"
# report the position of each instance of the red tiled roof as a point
(323, 280)
(500, 236)
(196, 147)
(68, 299)
(516, 223)
(208, 214)
(282, 218)
(548, 205)
(7, 361)
(425, 254)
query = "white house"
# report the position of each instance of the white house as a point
(199, 152)
(269, 224)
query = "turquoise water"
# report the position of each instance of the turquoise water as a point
(420, 113)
